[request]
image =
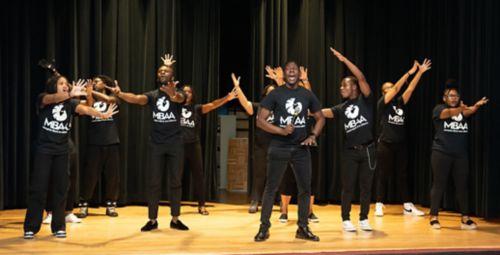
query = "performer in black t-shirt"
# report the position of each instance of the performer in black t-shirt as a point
(54, 108)
(449, 152)
(190, 124)
(165, 147)
(392, 148)
(290, 105)
(359, 155)
(103, 146)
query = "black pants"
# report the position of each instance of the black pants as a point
(392, 159)
(357, 164)
(102, 159)
(193, 162)
(70, 197)
(165, 157)
(47, 168)
(279, 158)
(259, 171)
(442, 166)
(289, 185)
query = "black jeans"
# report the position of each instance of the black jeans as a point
(357, 162)
(392, 159)
(193, 162)
(442, 166)
(289, 186)
(165, 157)
(47, 168)
(102, 159)
(70, 197)
(279, 158)
(259, 171)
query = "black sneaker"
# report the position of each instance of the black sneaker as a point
(60, 234)
(111, 209)
(283, 218)
(29, 235)
(149, 226)
(313, 218)
(306, 234)
(84, 210)
(178, 225)
(262, 235)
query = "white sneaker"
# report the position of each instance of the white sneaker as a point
(71, 218)
(348, 227)
(379, 209)
(410, 209)
(365, 225)
(48, 218)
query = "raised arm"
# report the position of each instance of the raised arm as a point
(468, 111)
(363, 84)
(171, 90)
(262, 115)
(275, 74)
(90, 90)
(78, 89)
(304, 78)
(205, 108)
(394, 90)
(247, 105)
(128, 97)
(426, 65)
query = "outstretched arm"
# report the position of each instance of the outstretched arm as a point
(363, 84)
(473, 109)
(205, 108)
(128, 97)
(449, 112)
(320, 122)
(426, 65)
(394, 90)
(327, 113)
(241, 96)
(87, 110)
(78, 89)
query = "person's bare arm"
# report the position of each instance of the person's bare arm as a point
(468, 111)
(392, 92)
(426, 65)
(449, 112)
(327, 113)
(205, 108)
(247, 105)
(304, 78)
(128, 97)
(87, 110)
(78, 89)
(262, 115)
(320, 122)
(364, 87)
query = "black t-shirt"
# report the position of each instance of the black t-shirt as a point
(357, 117)
(190, 122)
(392, 120)
(102, 131)
(262, 138)
(291, 105)
(450, 134)
(165, 126)
(54, 124)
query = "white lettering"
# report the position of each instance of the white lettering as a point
(355, 124)
(164, 117)
(55, 126)
(456, 127)
(396, 120)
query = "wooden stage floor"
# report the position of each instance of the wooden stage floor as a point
(229, 229)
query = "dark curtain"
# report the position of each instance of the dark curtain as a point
(124, 39)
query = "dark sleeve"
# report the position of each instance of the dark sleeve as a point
(198, 109)
(255, 106)
(437, 111)
(73, 103)
(151, 96)
(369, 99)
(39, 101)
(336, 110)
(315, 104)
(269, 101)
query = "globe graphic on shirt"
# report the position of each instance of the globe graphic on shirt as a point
(458, 117)
(100, 106)
(163, 104)
(398, 111)
(59, 113)
(292, 107)
(186, 114)
(352, 111)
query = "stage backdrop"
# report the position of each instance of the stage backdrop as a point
(211, 39)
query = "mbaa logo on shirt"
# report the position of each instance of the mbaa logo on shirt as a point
(293, 108)
(456, 126)
(185, 121)
(57, 125)
(101, 107)
(352, 113)
(397, 119)
(163, 116)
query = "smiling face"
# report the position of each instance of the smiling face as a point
(165, 74)
(292, 73)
